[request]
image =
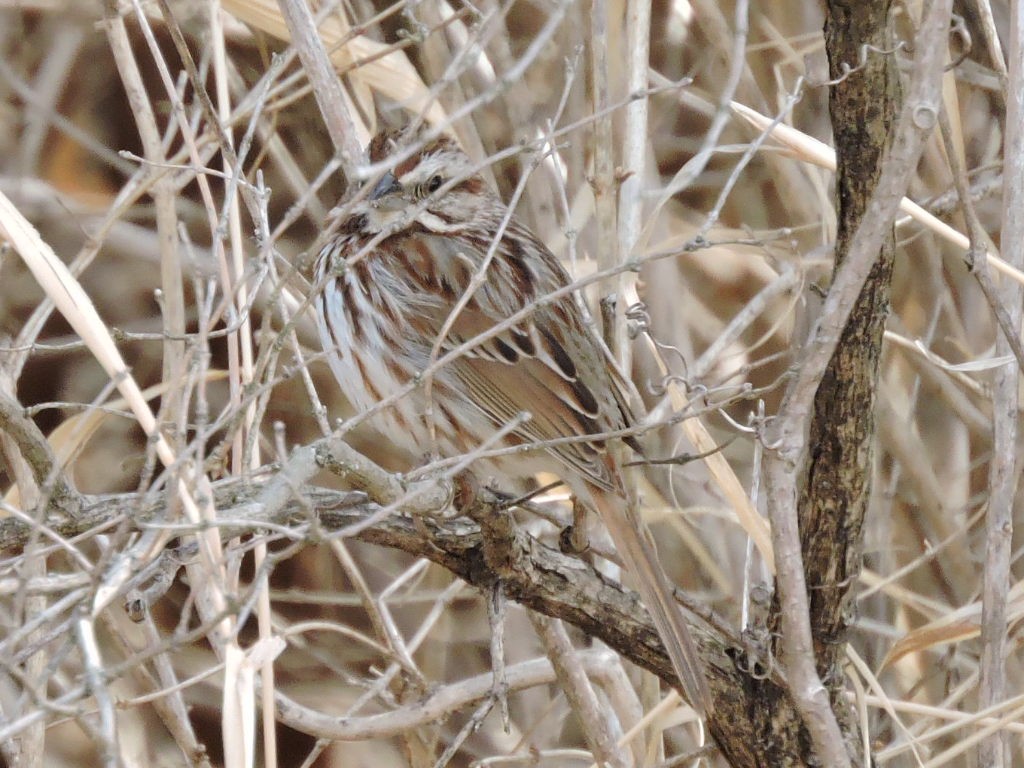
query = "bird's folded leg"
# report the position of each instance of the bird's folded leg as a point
(574, 539)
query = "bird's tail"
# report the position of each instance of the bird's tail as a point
(656, 591)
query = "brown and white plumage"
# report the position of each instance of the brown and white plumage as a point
(384, 307)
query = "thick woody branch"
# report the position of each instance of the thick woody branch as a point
(36, 452)
(529, 572)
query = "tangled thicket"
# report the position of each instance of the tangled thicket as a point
(717, 240)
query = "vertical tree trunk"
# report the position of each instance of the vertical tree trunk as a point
(863, 105)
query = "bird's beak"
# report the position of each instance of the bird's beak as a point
(387, 185)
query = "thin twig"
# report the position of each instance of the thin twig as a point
(1003, 470)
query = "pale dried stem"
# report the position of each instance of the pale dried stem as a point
(1003, 469)
(328, 91)
(210, 575)
(602, 170)
(723, 113)
(1006, 307)
(30, 747)
(635, 181)
(439, 704)
(93, 672)
(380, 619)
(412, 645)
(165, 689)
(787, 280)
(245, 453)
(599, 731)
(163, 193)
(46, 110)
(991, 39)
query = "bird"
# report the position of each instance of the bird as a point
(428, 263)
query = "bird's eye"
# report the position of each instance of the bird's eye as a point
(434, 184)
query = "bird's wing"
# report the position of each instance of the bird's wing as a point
(549, 364)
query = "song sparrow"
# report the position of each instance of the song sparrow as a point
(395, 296)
